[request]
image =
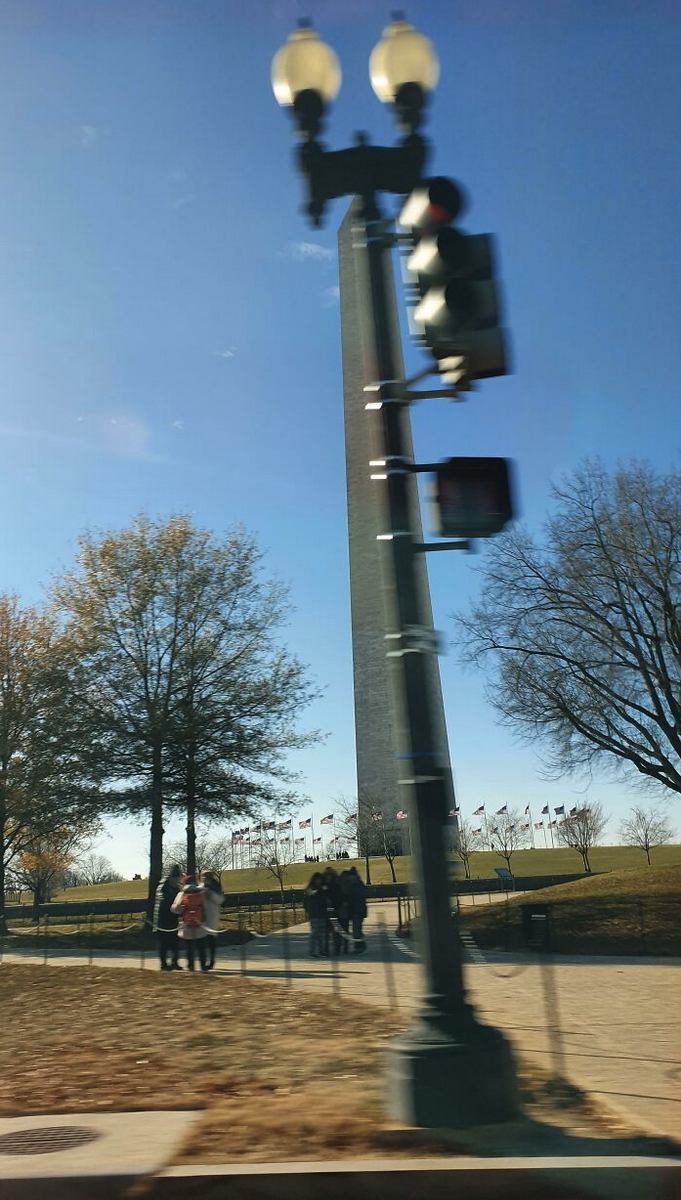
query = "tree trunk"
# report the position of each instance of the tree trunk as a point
(191, 816)
(647, 850)
(156, 832)
(3, 819)
(392, 870)
(585, 860)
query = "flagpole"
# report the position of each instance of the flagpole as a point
(484, 813)
(529, 809)
(546, 844)
(312, 831)
(553, 846)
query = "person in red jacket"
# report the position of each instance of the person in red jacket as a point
(192, 929)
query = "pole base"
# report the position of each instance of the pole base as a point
(453, 1080)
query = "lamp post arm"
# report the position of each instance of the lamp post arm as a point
(361, 170)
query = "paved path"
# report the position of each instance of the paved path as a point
(612, 1024)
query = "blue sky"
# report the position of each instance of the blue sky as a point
(168, 341)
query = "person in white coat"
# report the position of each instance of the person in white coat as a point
(189, 906)
(212, 896)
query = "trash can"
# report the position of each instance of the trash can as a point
(536, 926)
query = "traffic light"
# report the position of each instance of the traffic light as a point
(472, 497)
(457, 314)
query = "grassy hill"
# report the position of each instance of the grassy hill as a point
(525, 862)
(630, 911)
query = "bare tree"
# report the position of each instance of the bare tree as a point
(175, 663)
(274, 855)
(467, 842)
(39, 867)
(507, 836)
(379, 833)
(584, 634)
(47, 760)
(581, 831)
(92, 869)
(646, 828)
(210, 854)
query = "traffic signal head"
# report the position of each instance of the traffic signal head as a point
(472, 497)
(457, 314)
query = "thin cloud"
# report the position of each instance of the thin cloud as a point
(310, 252)
(183, 201)
(331, 296)
(177, 425)
(229, 353)
(115, 435)
(88, 135)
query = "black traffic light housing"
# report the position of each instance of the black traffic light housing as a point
(458, 311)
(472, 497)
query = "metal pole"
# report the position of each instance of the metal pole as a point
(447, 1069)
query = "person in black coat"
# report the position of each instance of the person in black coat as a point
(356, 897)
(314, 899)
(165, 921)
(334, 903)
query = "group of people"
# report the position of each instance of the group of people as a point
(187, 914)
(336, 908)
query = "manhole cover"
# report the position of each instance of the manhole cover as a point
(48, 1140)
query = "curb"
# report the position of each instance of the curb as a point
(606, 1178)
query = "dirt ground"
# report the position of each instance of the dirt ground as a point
(280, 1073)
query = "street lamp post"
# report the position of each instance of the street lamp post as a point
(447, 1070)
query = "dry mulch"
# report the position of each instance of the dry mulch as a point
(280, 1073)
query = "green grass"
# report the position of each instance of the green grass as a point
(525, 862)
(631, 911)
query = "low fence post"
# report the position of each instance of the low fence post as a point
(242, 943)
(335, 981)
(286, 952)
(387, 962)
(642, 924)
(91, 939)
(45, 939)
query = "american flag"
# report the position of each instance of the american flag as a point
(305, 824)
(352, 819)
(479, 811)
(523, 828)
(284, 841)
(300, 841)
(573, 812)
(270, 825)
(527, 810)
(500, 811)
(552, 824)
(284, 824)
(327, 820)
(560, 809)
(545, 811)
(454, 812)
(317, 840)
(494, 830)
(401, 815)
(477, 831)
(378, 816)
(539, 824)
